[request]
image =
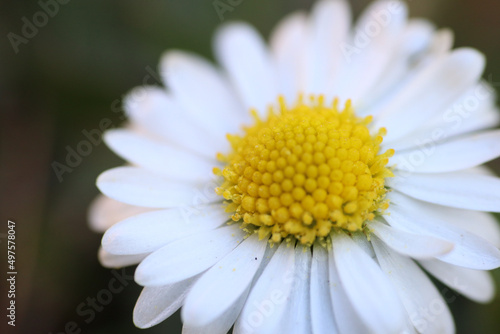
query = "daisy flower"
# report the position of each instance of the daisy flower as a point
(308, 186)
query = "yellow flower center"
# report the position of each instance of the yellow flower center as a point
(305, 171)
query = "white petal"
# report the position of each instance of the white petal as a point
(426, 138)
(427, 309)
(432, 89)
(363, 243)
(156, 304)
(137, 186)
(203, 92)
(221, 324)
(221, 286)
(157, 112)
(298, 312)
(458, 189)
(475, 110)
(410, 244)
(188, 257)
(287, 42)
(329, 25)
(443, 41)
(417, 36)
(266, 302)
(150, 231)
(105, 211)
(454, 155)
(109, 260)
(470, 251)
(474, 284)
(401, 76)
(347, 318)
(244, 55)
(389, 16)
(375, 41)
(412, 42)
(322, 317)
(158, 157)
(480, 223)
(370, 292)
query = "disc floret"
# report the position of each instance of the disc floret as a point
(304, 171)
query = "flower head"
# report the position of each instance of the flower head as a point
(308, 186)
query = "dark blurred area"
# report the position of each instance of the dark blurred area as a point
(71, 74)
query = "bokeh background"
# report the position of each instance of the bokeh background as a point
(72, 74)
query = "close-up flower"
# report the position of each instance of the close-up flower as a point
(322, 182)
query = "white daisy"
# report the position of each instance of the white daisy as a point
(301, 220)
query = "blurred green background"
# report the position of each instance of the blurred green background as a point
(72, 74)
